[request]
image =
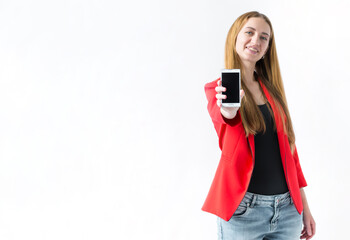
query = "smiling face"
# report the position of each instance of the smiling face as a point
(253, 40)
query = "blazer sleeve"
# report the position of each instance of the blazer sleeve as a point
(213, 108)
(301, 179)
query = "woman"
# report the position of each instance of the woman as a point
(257, 191)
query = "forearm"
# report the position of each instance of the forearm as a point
(303, 198)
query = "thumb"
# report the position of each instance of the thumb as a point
(242, 93)
(308, 229)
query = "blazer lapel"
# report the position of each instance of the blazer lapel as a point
(274, 108)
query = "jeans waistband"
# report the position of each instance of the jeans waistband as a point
(257, 199)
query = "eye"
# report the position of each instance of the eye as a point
(264, 38)
(249, 32)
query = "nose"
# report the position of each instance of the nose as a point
(255, 39)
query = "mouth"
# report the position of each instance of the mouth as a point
(253, 49)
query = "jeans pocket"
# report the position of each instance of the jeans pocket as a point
(241, 210)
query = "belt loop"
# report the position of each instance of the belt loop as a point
(253, 201)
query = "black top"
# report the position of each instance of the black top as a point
(268, 175)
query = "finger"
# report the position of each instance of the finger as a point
(304, 236)
(242, 93)
(309, 230)
(303, 233)
(313, 224)
(220, 89)
(220, 96)
(304, 229)
(219, 82)
(218, 102)
(313, 229)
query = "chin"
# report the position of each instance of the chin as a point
(251, 60)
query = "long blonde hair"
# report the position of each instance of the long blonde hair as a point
(268, 71)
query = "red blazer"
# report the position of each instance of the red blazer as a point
(236, 164)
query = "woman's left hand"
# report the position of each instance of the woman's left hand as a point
(309, 229)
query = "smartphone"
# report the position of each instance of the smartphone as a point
(231, 80)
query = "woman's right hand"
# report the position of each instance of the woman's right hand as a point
(227, 112)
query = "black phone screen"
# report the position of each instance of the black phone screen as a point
(231, 82)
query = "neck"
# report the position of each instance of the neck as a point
(248, 76)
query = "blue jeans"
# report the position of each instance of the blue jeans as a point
(261, 217)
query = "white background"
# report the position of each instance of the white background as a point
(104, 132)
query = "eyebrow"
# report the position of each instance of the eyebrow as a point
(262, 32)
